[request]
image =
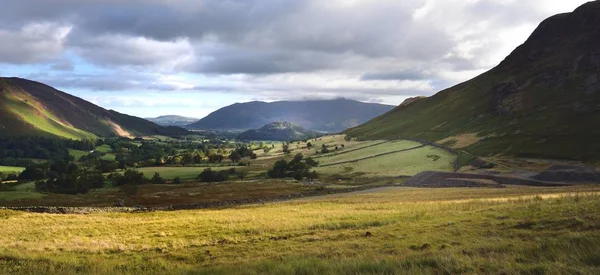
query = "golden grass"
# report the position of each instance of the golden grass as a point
(414, 231)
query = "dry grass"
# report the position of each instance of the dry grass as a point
(462, 140)
(414, 231)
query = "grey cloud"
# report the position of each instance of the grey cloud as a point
(401, 75)
(103, 82)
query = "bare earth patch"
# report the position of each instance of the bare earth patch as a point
(120, 131)
(462, 140)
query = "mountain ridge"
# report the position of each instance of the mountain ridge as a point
(542, 100)
(319, 115)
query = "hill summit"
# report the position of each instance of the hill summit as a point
(278, 131)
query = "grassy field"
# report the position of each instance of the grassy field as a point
(405, 163)
(412, 231)
(104, 149)
(77, 153)
(9, 169)
(350, 154)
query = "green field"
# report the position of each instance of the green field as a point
(77, 153)
(350, 154)
(521, 230)
(185, 173)
(9, 169)
(104, 149)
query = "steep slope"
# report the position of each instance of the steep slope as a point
(278, 131)
(543, 100)
(320, 115)
(172, 120)
(32, 108)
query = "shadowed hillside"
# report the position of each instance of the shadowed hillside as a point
(543, 100)
(319, 115)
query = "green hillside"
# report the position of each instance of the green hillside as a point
(543, 100)
(32, 108)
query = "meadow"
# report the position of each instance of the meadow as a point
(406, 163)
(11, 169)
(395, 230)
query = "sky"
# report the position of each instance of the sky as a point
(190, 57)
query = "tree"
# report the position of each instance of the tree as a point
(309, 145)
(311, 162)
(312, 175)
(286, 148)
(235, 156)
(130, 176)
(298, 176)
(157, 179)
(279, 169)
(177, 180)
(242, 174)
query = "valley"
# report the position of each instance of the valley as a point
(270, 149)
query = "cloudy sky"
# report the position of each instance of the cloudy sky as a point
(190, 57)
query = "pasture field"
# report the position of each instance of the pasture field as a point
(77, 154)
(104, 149)
(317, 143)
(363, 152)
(514, 230)
(405, 163)
(9, 169)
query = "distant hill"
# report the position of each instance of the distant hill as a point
(543, 100)
(278, 131)
(319, 115)
(32, 108)
(172, 120)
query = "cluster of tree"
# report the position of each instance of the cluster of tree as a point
(208, 175)
(63, 177)
(298, 168)
(242, 152)
(15, 162)
(8, 176)
(40, 147)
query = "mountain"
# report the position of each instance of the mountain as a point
(32, 108)
(319, 115)
(278, 131)
(172, 120)
(542, 101)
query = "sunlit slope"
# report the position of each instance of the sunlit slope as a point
(543, 100)
(33, 108)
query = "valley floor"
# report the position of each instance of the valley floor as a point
(393, 230)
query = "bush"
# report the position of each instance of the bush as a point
(129, 177)
(157, 179)
(208, 175)
(177, 180)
